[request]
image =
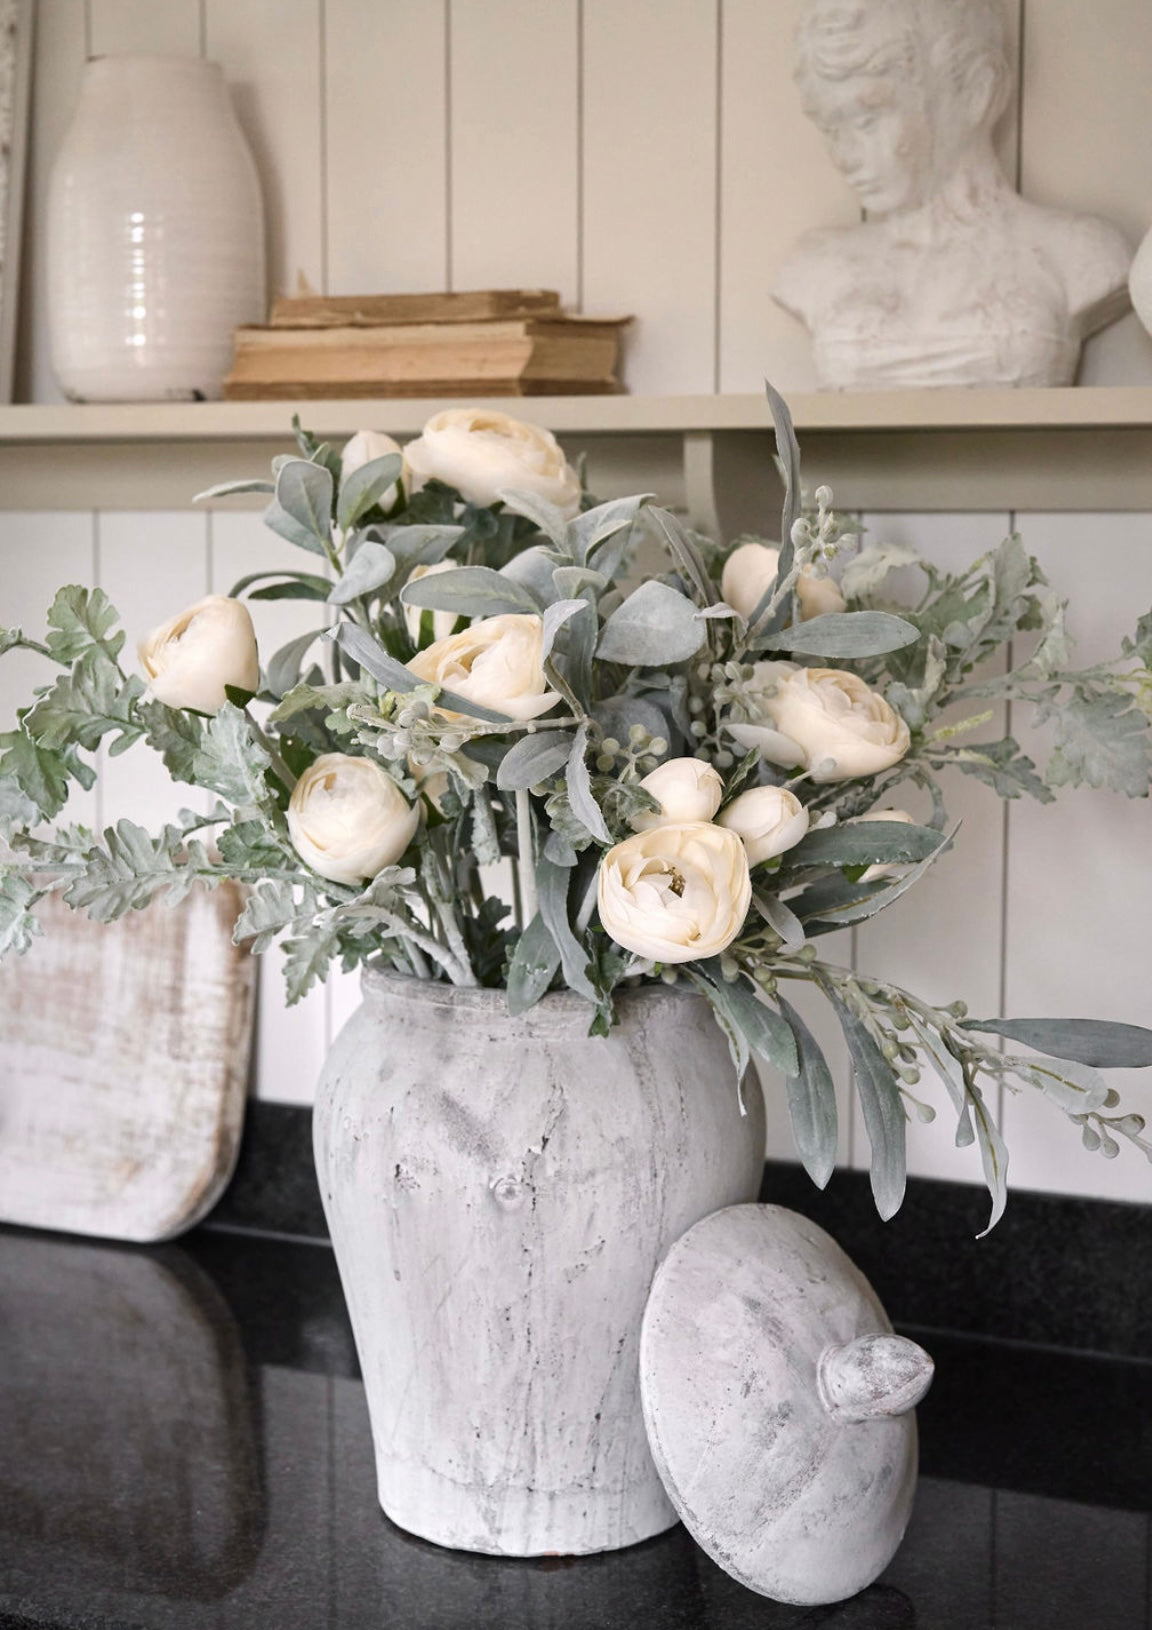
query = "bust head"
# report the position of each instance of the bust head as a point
(902, 90)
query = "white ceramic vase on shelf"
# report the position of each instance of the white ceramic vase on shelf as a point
(155, 233)
(500, 1192)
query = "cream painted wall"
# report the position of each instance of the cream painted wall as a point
(644, 156)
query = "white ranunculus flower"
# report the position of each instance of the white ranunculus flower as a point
(497, 663)
(768, 820)
(188, 660)
(883, 868)
(826, 721)
(483, 453)
(685, 788)
(348, 819)
(443, 622)
(675, 893)
(750, 571)
(361, 449)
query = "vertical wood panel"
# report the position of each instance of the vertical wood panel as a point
(57, 65)
(942, 940)
(777, 182)
(1087, 140)
(290, 1041)
(650, 129)
(272, 55)
(143, 25)
(152, 565)
(387, 165)
(514, 145)
(41, 552)
(1079, 879)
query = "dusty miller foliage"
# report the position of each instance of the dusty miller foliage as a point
(643, 675)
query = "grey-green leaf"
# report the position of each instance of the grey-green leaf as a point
(579, 782)
(654, 627)
(366, 486)
(302, 508)
(552, 883)
(768, 1035)
(532, 968)
(225, 489)
(372, 566)
(879, 1094)
(471, 591)
(812, 1102)
(847, 635)
(1097, 1042)
(865, 843)
(284, 664)
(533, 759)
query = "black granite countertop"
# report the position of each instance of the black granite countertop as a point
(184, 1443)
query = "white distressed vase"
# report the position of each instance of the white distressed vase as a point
(500, 1192)
(155, 233)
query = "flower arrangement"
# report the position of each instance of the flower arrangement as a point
(506, 756)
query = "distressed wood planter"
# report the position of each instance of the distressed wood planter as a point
(500, 1192)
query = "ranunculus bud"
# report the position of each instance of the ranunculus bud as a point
(685, 788)
(443, 622)
(348, 819)
(750, 571)
(482, 453)
(824, 720)
(882, 868)
(497, 663)
(188, 660)
(361, 449)
(676, 892)
(768, 820)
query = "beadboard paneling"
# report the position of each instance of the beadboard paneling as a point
(776, 182)
(515, 145)
(650, 184)
(272, 58)
(1087, 140)
(142, 25)
(1079, 896)
(387, 175)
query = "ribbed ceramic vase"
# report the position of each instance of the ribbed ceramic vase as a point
(155, 233)
(500, 1192)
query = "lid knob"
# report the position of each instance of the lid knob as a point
(874, 1376)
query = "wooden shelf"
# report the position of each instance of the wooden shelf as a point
(1088, 449)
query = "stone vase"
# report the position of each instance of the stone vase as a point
(500, 1192)
(155, 233)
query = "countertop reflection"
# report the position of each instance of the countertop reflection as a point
(184, 1442)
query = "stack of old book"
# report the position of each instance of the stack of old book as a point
(496, 342)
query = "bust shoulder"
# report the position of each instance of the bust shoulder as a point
(820, 261)
(1093, 259)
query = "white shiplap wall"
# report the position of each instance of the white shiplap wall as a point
(644, 156)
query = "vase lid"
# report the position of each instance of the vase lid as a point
(778, 1404)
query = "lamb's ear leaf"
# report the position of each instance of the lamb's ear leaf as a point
(654, 627)
(845, 634)
(811, 1102)
(532, 968)
(1097, 1042)
(879, 1093)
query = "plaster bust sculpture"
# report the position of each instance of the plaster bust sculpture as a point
(954, 279)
